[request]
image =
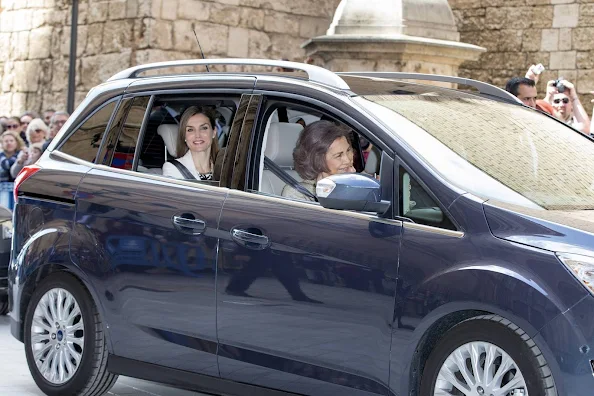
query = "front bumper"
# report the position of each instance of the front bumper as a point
(570, 341)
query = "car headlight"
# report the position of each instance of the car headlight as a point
(581, 266)
(7, 230)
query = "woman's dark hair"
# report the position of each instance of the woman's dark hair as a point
(182, 147)
(309, 155)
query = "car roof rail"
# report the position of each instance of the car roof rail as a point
(482, 87)
(314, 73)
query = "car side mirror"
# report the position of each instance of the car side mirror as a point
(351, 191)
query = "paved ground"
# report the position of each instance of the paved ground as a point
(15, 379)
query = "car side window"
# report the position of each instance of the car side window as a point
(159, 152)
(278, 174)
(124, 146)
(417, 205)
(121, 138)
(86, 140)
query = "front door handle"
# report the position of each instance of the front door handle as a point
(249, 239)
(188, 225)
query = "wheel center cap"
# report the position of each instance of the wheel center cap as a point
(60, 335)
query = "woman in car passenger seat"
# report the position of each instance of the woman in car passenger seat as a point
(197, 145)
(323, 149)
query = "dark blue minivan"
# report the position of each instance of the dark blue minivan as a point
(458, 258)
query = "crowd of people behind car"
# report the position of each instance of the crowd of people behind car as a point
(23, 139)
(561, 99)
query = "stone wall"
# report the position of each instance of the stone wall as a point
(115, 34)
(517, 33)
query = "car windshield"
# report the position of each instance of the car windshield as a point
(493, 150)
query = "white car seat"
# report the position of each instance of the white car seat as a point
(280, 143)
(373, 161)
(168, 133)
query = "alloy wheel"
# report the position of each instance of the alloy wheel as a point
(480, 369)
(57, 336)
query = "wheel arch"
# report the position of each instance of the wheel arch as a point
(444, 319)
(429, 340)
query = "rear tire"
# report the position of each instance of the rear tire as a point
(500, 348)
(68, 356)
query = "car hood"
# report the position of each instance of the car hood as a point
(554, 230)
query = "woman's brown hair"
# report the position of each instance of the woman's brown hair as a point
(182, 147)
(309, 155)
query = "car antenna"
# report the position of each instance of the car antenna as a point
(199, 46)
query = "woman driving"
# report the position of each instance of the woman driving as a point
(323, 149)
(197, 145)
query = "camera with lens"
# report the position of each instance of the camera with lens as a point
(559, 85)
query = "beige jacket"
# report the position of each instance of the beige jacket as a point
(292, 193)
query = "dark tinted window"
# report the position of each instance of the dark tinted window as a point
(114, 131)
(85, 141)
(122, 144)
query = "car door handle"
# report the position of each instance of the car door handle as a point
(189, 226)
(250, 240)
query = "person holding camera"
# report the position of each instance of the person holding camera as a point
(562, 95)
(524, 88)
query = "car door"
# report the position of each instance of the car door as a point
(305, 294)
(151, 243)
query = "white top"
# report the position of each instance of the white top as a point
(171, 171)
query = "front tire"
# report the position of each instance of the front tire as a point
(487, 355)
(64, 340)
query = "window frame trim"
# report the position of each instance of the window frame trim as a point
(124, 119)
(109, 128)
(143, 128)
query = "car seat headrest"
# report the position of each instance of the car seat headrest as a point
(282, 137)
(168, 133)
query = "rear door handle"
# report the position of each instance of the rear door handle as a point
(189, 226)
(250, 240)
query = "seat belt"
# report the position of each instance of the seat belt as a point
(288, 179)
(282, 114)
(182, 169)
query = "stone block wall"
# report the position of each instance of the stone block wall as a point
(116, 34)
(517, 33)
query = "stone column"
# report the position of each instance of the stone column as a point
(392, 35)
